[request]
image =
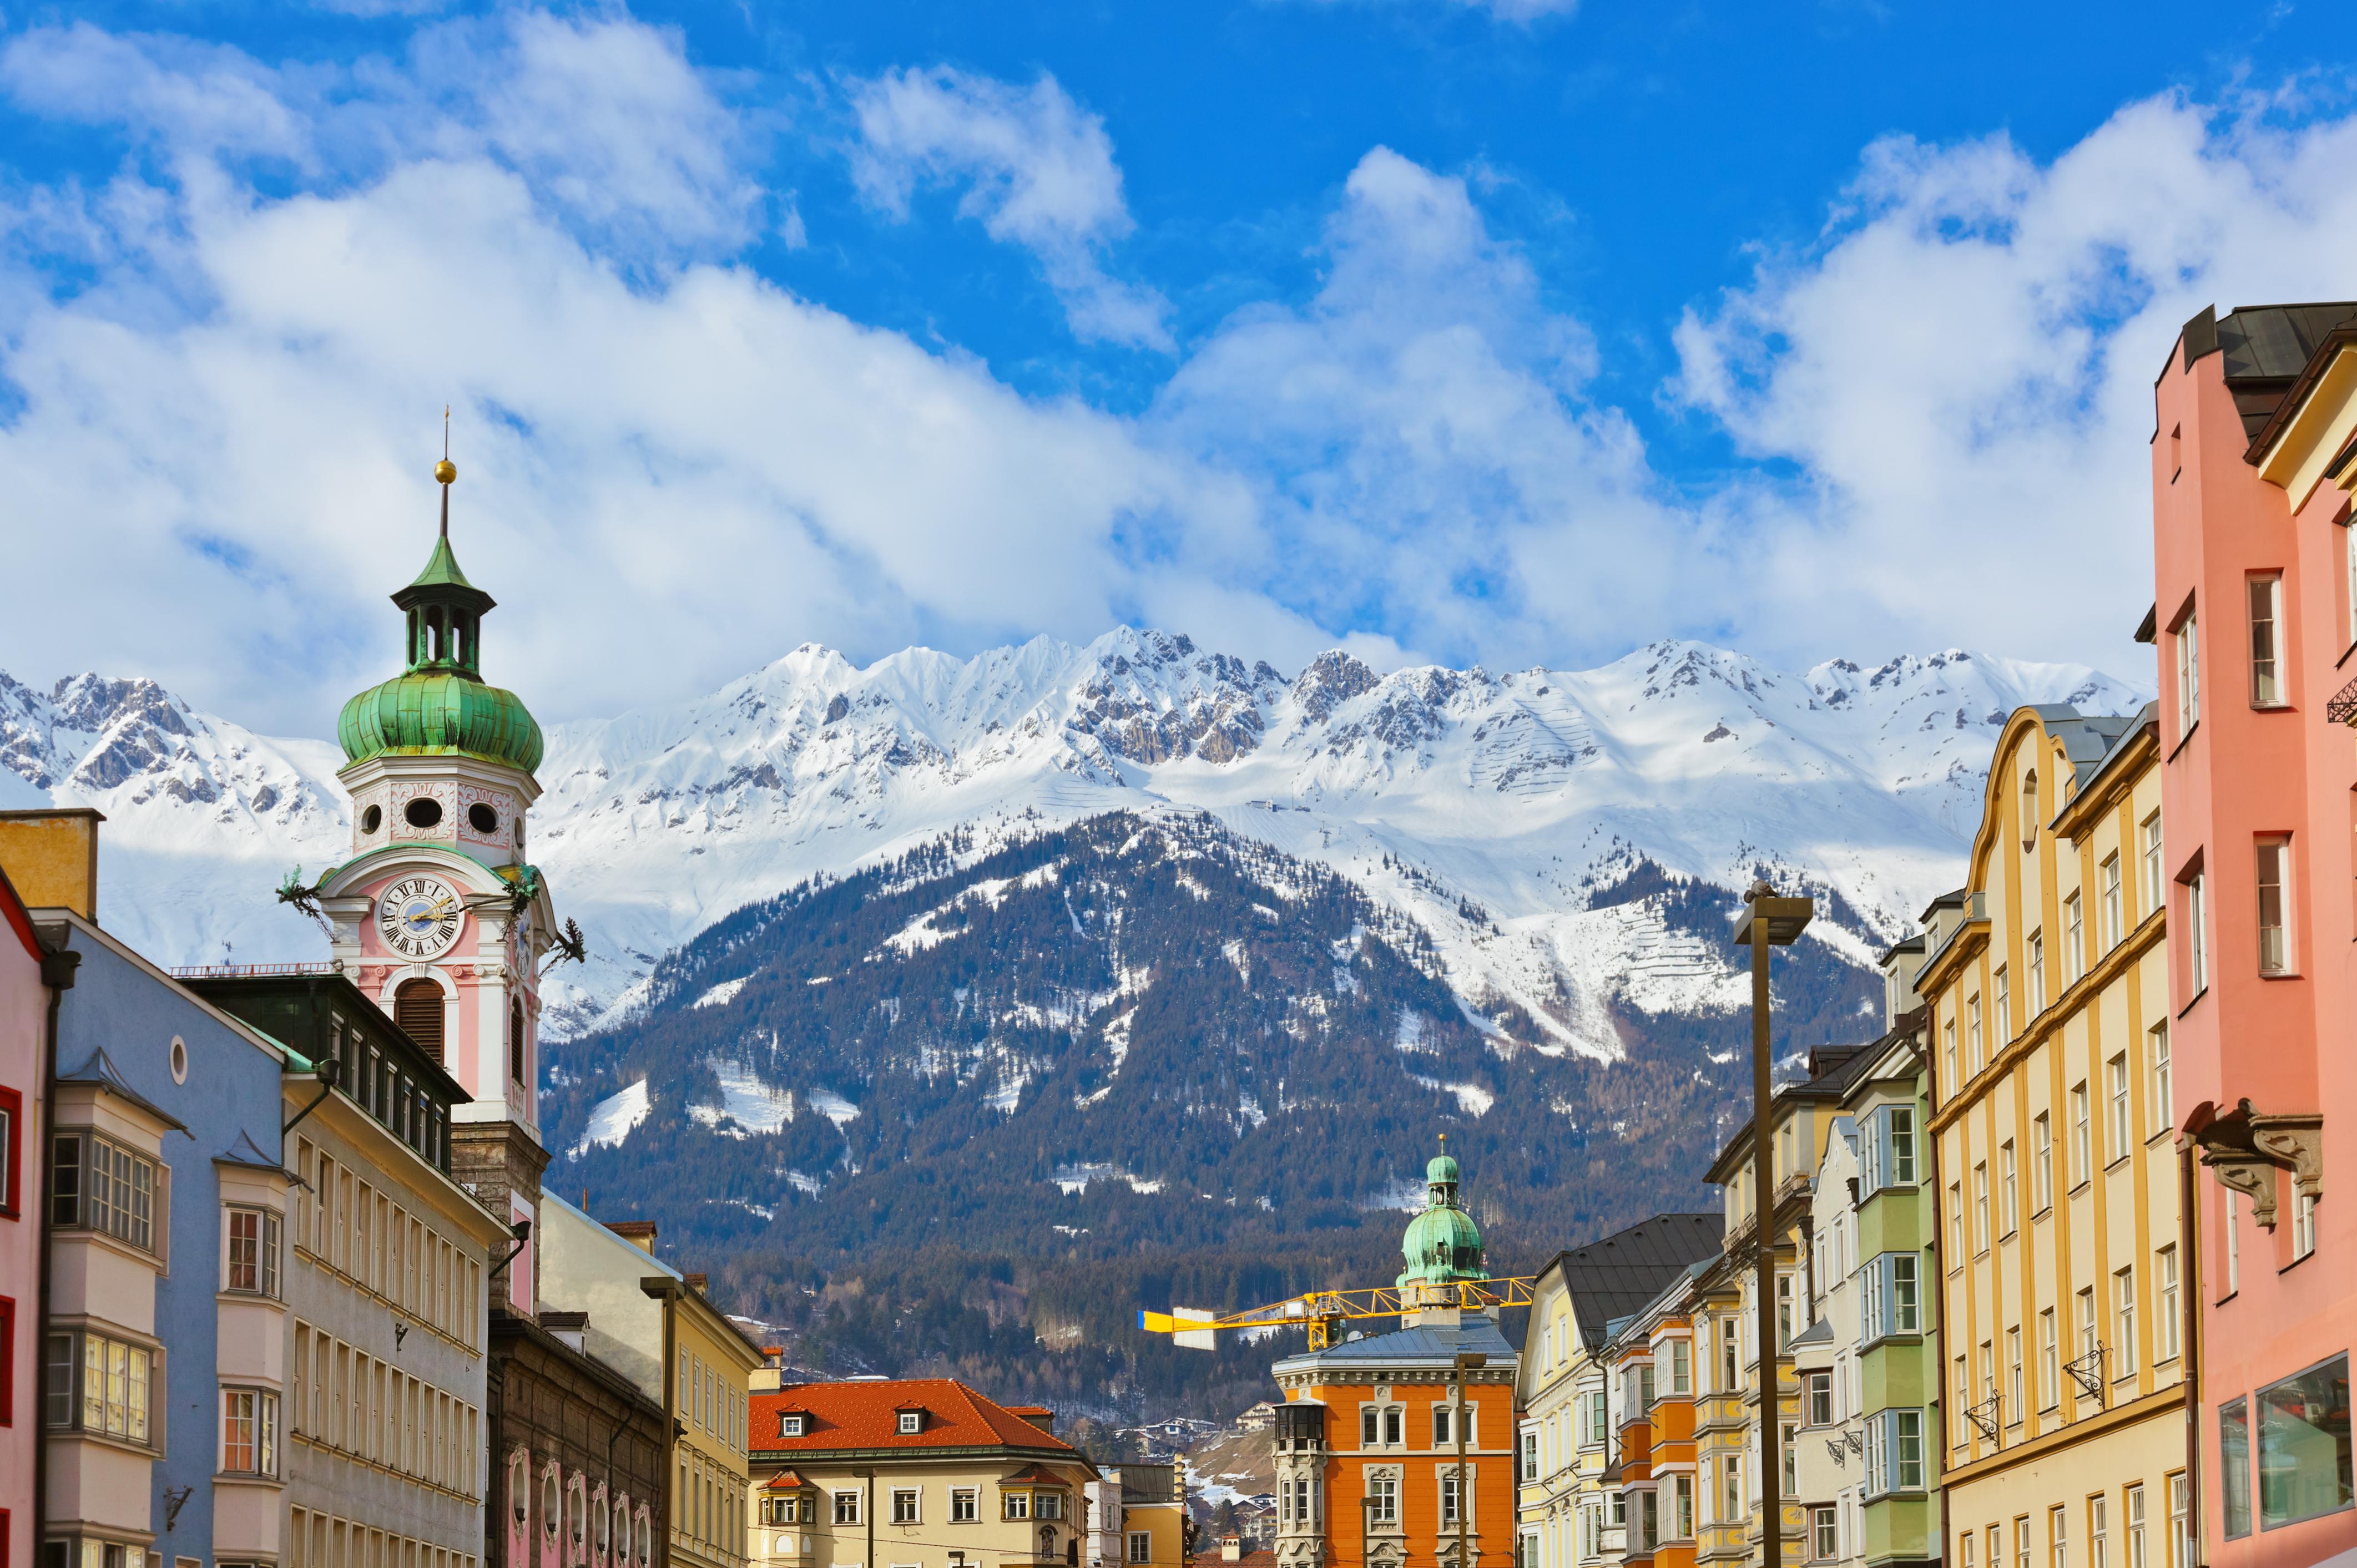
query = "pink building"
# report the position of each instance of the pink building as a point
(2255, 621)
(23, 1019)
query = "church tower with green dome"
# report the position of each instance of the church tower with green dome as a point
(438, 913)
(1443, 1246)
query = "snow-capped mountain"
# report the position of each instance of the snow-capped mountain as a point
(1486, 806)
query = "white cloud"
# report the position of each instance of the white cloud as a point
(1037, 171)
(1422, 449)
(1962, 368)
(225, 380)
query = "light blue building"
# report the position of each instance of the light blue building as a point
(165, 1359)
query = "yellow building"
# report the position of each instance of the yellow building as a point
(2048, 1004)
(921, 1473)
(1567, 1511)
(656, 1326)
(1137, 1515)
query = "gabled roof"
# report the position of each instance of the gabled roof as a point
(1616, 1275)
(865, 1415)
(784, 1481)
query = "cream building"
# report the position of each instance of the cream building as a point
(1568, 1513)
(2065, 1437)
(382, 1306)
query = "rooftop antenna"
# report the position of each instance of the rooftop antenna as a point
(446, 471)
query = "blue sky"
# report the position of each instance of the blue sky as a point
(1518, 332)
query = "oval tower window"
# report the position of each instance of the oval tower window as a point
(423, 813)
(371, 818)
(482, 819)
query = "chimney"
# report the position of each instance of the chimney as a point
(695, 1282)
(638, 1234)
(51, 857)
(1232, 1549)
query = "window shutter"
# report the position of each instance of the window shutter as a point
(417, 1008)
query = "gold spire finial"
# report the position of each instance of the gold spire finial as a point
(445, 470)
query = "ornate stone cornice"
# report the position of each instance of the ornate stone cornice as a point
(2249, 1150)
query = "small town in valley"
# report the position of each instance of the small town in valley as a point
(601, 1078)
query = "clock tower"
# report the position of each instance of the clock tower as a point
(437, 914)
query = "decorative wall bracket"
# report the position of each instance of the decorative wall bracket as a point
(2248, 1148)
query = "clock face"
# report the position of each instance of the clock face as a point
(419, 916)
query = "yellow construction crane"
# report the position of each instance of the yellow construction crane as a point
(1324, 1312)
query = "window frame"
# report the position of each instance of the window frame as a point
(914, 1498)
(70, 1210)
(263, 1438)
(66, 1384)
(965, 1505)
(269, 1242)
(2261, 1447)
(2271, 879)
(846, 1507)
(2186, 639)
(12, 1152)
(2263, 598)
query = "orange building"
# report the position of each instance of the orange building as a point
(1380, 1435)
(1649, 1362)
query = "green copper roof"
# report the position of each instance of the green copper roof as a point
(1442, 1245)
(441, 569)
(440, 706)
(430, 713)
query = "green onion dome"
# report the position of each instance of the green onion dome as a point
(432, 712)
(1442, 1245)
(440, 706)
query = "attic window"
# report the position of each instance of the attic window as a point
(911, 1423)
(790, 1426)
(2029, 810)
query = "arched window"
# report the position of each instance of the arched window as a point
(515, 1039)
(2028, 810)
(417, 1008)
(550, 1502)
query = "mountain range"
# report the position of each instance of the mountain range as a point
(945, 1009)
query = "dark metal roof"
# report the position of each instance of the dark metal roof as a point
(1432, 1343)
(2267, 347)
(1618, 1276)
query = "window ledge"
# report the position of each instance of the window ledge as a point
(2191, 1000)
(2280, 975)
(2294, 1263)
(2117, 1163)
(2185, 740)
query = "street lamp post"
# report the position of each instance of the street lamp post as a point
(1767, 921)
(1466, 1361)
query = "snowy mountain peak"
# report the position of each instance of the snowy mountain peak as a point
(1490, 809)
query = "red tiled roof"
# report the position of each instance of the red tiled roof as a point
(784, 1481)
(866, 1415)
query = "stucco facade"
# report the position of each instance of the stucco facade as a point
(2254, 613)
(2062, 1277)
(181, 1453)
(24, 1048)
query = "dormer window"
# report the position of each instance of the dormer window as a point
(911, 1423)
(790, 1425)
